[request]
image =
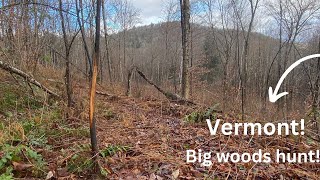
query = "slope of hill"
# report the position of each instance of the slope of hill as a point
(139, 138)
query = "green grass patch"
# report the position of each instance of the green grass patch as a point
(14, 99)
(113, 149)
(80, 161)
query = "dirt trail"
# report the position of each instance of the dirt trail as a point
(152, 129)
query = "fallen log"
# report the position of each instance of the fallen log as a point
(103, 93)
(110, 96)
(27, 77)
(170, 96)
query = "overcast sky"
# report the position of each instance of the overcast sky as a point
(150, 10)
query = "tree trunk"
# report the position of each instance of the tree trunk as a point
(185, 28)
(83, 35)
(95, 62)
(244, 73)
(67, 59)
(128, 92)
(106, 38)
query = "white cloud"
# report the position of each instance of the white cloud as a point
(150, 10)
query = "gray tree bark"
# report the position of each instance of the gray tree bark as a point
(185, 28)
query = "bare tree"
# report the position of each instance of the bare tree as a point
(67, 45)
(292, 18)
(246, 31)
(185, 28)
(126, 16)
(80, 21)
(106, 38)
(169, 13)
(95, 63)
(223, 38)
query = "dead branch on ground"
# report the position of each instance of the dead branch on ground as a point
(170, 96)
(27, 77)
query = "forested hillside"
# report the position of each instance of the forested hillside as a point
(93, 90)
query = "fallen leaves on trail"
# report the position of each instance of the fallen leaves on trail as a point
(21, 166)
(50, 175)
(159, 139)
(175, 174)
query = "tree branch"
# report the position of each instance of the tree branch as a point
(28, 78)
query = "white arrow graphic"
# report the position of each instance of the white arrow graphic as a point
(274, 96)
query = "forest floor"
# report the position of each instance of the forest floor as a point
(139, 138)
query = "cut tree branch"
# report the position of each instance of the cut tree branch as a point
(28, 78)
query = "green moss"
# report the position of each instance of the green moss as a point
(201, 116)
(108, 114)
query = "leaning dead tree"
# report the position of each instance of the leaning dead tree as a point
(27, 77)
(170, 96)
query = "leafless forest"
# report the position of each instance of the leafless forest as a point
(87, 90)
